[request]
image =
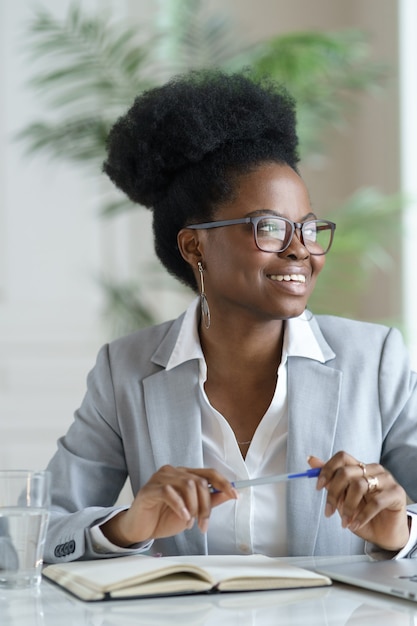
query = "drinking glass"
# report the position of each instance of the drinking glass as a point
(24, 505)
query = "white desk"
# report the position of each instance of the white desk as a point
(338, 605)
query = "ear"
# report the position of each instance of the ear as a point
(191, 245)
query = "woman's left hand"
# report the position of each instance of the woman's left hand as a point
(368, 499)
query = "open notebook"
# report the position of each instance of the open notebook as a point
(145, 576)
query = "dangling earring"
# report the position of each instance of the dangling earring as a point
(205, 310)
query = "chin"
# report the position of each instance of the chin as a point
(294, 311)
(292, 315)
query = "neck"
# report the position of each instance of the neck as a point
(255, 348)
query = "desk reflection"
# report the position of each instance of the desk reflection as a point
(338, 605)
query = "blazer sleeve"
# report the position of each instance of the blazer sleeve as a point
(88, 471)
(398, 406)
(398, 409)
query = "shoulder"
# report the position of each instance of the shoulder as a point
(333, 324)
(144, 351)
(148, 336)
(360, 339)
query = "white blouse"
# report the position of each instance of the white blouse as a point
(256, 522)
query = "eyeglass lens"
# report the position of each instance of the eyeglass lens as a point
(273, 234)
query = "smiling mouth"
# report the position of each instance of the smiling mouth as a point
(296, 278)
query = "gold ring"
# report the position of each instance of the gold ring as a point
(373, 483)
(363, 468)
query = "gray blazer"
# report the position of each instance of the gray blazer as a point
(136, 417)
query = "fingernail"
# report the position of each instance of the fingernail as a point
(185, 514)
(235, 494)
(328, 510)
(345, 521)
(204, 525)
(354, 526)
(321, 481)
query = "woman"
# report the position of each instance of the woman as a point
(247, 382)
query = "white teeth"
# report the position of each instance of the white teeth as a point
(298, 278)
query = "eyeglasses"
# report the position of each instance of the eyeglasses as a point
(274, 234)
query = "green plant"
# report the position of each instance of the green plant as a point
(369, 227)
(97, 66)
(92, 67)
(323, 71)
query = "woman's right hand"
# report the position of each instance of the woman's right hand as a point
(170, 502)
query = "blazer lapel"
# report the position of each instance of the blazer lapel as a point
(174, 417)
(313, 404)
(174, 422)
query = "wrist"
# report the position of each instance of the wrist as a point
(116, 531)
(396, 544)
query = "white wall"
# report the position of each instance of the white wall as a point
(408, 52)
(54, 249)
(50, 255)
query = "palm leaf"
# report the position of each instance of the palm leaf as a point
(94, 69)
(366, 239)
(322, 71)
(193, 38)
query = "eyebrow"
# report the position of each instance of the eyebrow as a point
(309, 215)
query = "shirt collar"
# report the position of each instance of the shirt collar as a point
(299, 339)
(187, 346)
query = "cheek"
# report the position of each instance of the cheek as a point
(317, 264)
(231, 272)
(228, 258)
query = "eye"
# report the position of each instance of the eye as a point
(310, 231)
(272, 227)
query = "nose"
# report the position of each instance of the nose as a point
(296, 248)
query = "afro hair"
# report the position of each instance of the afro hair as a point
(180, 147)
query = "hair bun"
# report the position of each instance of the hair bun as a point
(171, 127)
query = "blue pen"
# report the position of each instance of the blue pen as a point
(266, 480)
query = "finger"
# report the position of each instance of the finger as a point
(389, 497)
(194, 487)
(360, 504)
(359, 486)
(358, 489)
(204, 503)
(347, 486)
(332, 466)
(170, 497)
(219, 482)
(191, 490)
(193, 494)
(175, 488)
(314, 461)
(353, 500)
(196, 494)
(207, 499)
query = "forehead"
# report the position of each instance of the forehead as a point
(269, 187)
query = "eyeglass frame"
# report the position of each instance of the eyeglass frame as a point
(254, 220)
